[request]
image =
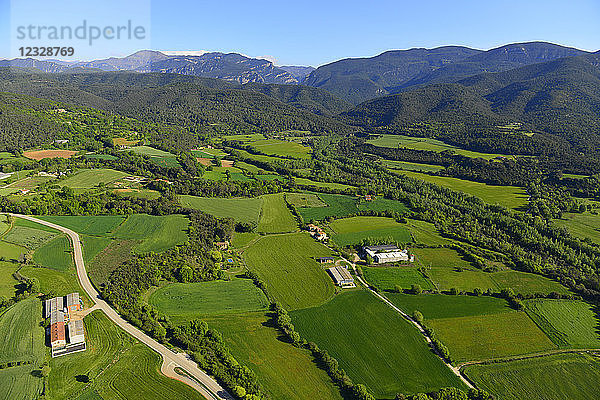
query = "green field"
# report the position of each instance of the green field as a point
(434, 306)
(22, 339)
(242, 239)
(186, 301)
(351, 231)
(31, 238)
(342, 205)
(440, 257)
(60, 282)
(286, 263)
(55, 254)
(557, 377)
(374, 345)
(272, 147)
(490, 336)
(326, 185)
(220, 174)
(93, 245)
(507, 196)
(425, 233)
(242, 210)
(89, 178)
(299, 200)
(275, 216)
(585, 225)
(568, 323)
(108, 259)
(388, 278)
(527, 283)
(410, 166)
(285, 372)
(418, 143)
(158, 157)
(465, 280)
(8, 284)
(96, 225)
(11, 251)
(118, 367)
(157, 233)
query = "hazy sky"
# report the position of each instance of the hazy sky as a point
(314, 32)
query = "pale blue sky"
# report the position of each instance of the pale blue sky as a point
(316, 32)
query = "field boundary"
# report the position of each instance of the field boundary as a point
(548, 353)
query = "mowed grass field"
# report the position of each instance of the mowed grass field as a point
(342, 205)
(275, 217)
(482, 337)
(118, 366)
(351, 231)
(507, 196)
(8, 284)
(388, 278)
(568, 323)
(89, 178)
(157, 233)
(242, 210)
(374, 345)
(96, 225)
(557, 377)
(29, 237)
(186, 301)
(300, 200)
(419, 143)
(434, 306)
(22, 339)
(585, 225)
(159, 157)
(273, 147)
(61, 282)
(285, 372)
(55, 254)
(287, 264)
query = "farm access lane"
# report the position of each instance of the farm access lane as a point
(201, 382)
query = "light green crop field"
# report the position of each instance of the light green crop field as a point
(281, 148)
(30, 238)
(242, 239)
(440, 257)
(568, 323)
(557, 377)
(11, 251)
(527, 283)
(585, 225)
(249, 167)
(388, 278)
(374, 345)
(327, 185)
(434, 306)
(299, 200)
(275, 216)
(21, 339)
(89, 178)
(465, 280)
(286, 263)
(55, 254)
(8, 284)
(380, 204)
(157, 233)
(418, 143)
(425, 233)
(4, 224)
(61, 282)
(489, 336)
(186, 301)
(118, 367)
(259, 157)
(93, 245)
(507, 196)
(409, 166)
(284, 371)
(350, 231)
(341, 205)
(242, 210)
(158, 157)
(87, 225)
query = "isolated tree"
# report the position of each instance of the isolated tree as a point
(45, 371)
(417, 316)
(416, 289)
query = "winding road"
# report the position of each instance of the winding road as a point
(196, 378)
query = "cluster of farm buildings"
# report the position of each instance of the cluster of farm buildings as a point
(317, 233)
(387, 253)
(66, 331)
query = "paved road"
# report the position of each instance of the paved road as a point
(203, 383)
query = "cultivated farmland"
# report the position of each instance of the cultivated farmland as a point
(490, 336)
(96, 225)
(89, 178)
(157, 233)
(55, 254)
(242, 210)
(275, 216)
(41, 154)
(507, 196)
(434, 306)
(374, 345)
(567, 323)
(585, 225)
(351, 231)
(557, 377)
(388, 278)
(287, 264)
(285, 372)
(186, 301)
